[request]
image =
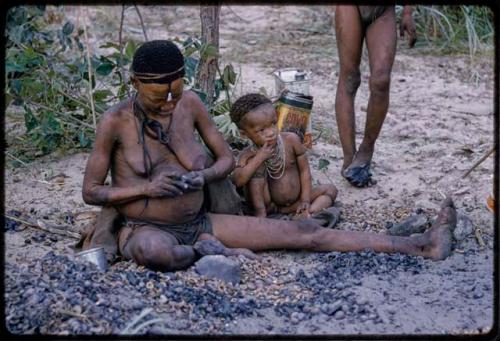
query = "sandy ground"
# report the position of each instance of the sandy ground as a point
(440, 121)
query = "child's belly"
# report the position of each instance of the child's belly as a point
(286, 190)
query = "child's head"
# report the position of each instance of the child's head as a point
(255, 116)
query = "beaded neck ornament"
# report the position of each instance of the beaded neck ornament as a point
(275, 164)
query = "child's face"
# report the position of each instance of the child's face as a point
(260, 125)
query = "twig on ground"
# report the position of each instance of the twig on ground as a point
(143, 313)
(237, 16)
(15, 158)
(479, 237)
(478, 162)
(89, 62)
(120, 43)
(142, 22)
(72, 313)
(45, 227)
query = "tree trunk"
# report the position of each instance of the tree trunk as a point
(205, 78)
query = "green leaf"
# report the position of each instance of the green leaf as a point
(190, 66)
(209, 51)
(30, 120)
(16, 85)
(130, 50)
(229, 76)
(110, 45)
(203, 96)
(68, 28)
(83, 139)
(100, 95)
(104, 69)
(323, 164)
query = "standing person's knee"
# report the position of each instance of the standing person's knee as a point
(352, 81)
(380, 81)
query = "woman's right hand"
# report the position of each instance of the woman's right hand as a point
(166, 184)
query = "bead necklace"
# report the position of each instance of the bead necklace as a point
(275, 164)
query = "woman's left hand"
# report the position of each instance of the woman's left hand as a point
(194, 180)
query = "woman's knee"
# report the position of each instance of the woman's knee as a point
(380, 81)
(152, 253)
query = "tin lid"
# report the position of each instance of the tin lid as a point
(291, 74)
(296, 99)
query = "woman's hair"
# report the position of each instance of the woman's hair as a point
(245, 104)
(158, 57)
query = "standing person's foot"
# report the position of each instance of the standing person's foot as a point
(358, 172)
(439, 236)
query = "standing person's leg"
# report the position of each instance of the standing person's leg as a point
(349, 35)
(260, 234)
(381, 44)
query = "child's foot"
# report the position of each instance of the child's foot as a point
(439, 236)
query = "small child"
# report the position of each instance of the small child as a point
(275, 170)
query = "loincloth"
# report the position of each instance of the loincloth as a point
(369, 14)
(186, 233)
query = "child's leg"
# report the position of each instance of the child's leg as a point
(260, 197)
(322, 196)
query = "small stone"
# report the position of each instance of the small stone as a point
(464, 227)
(219, 267)
(339, 315)
(411, 225)
(331, 308)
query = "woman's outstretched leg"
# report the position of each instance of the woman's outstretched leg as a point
(258, 234)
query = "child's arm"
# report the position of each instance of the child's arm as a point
(305, 176)
(256, 188)
(248, 163)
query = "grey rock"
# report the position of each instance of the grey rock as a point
(464, 227)
(411, 225)
(331, 308)
(219, 267)
(339, 315)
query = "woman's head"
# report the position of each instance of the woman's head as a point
(157, 73)
(255, 116)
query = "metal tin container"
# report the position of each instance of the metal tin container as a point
(293, 79)
(96, 256)
(294, 114)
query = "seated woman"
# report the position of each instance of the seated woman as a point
(158, 172)
(275, 170)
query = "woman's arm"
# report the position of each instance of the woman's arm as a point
(224, 160)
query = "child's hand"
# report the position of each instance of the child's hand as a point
(303, 209)
(264, 152)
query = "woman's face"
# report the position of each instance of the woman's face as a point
(159, 98)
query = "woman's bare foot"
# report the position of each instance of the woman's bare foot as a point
(439, 237)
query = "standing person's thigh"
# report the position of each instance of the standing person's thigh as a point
(381, 40)
(349, 35)
(259, 234)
